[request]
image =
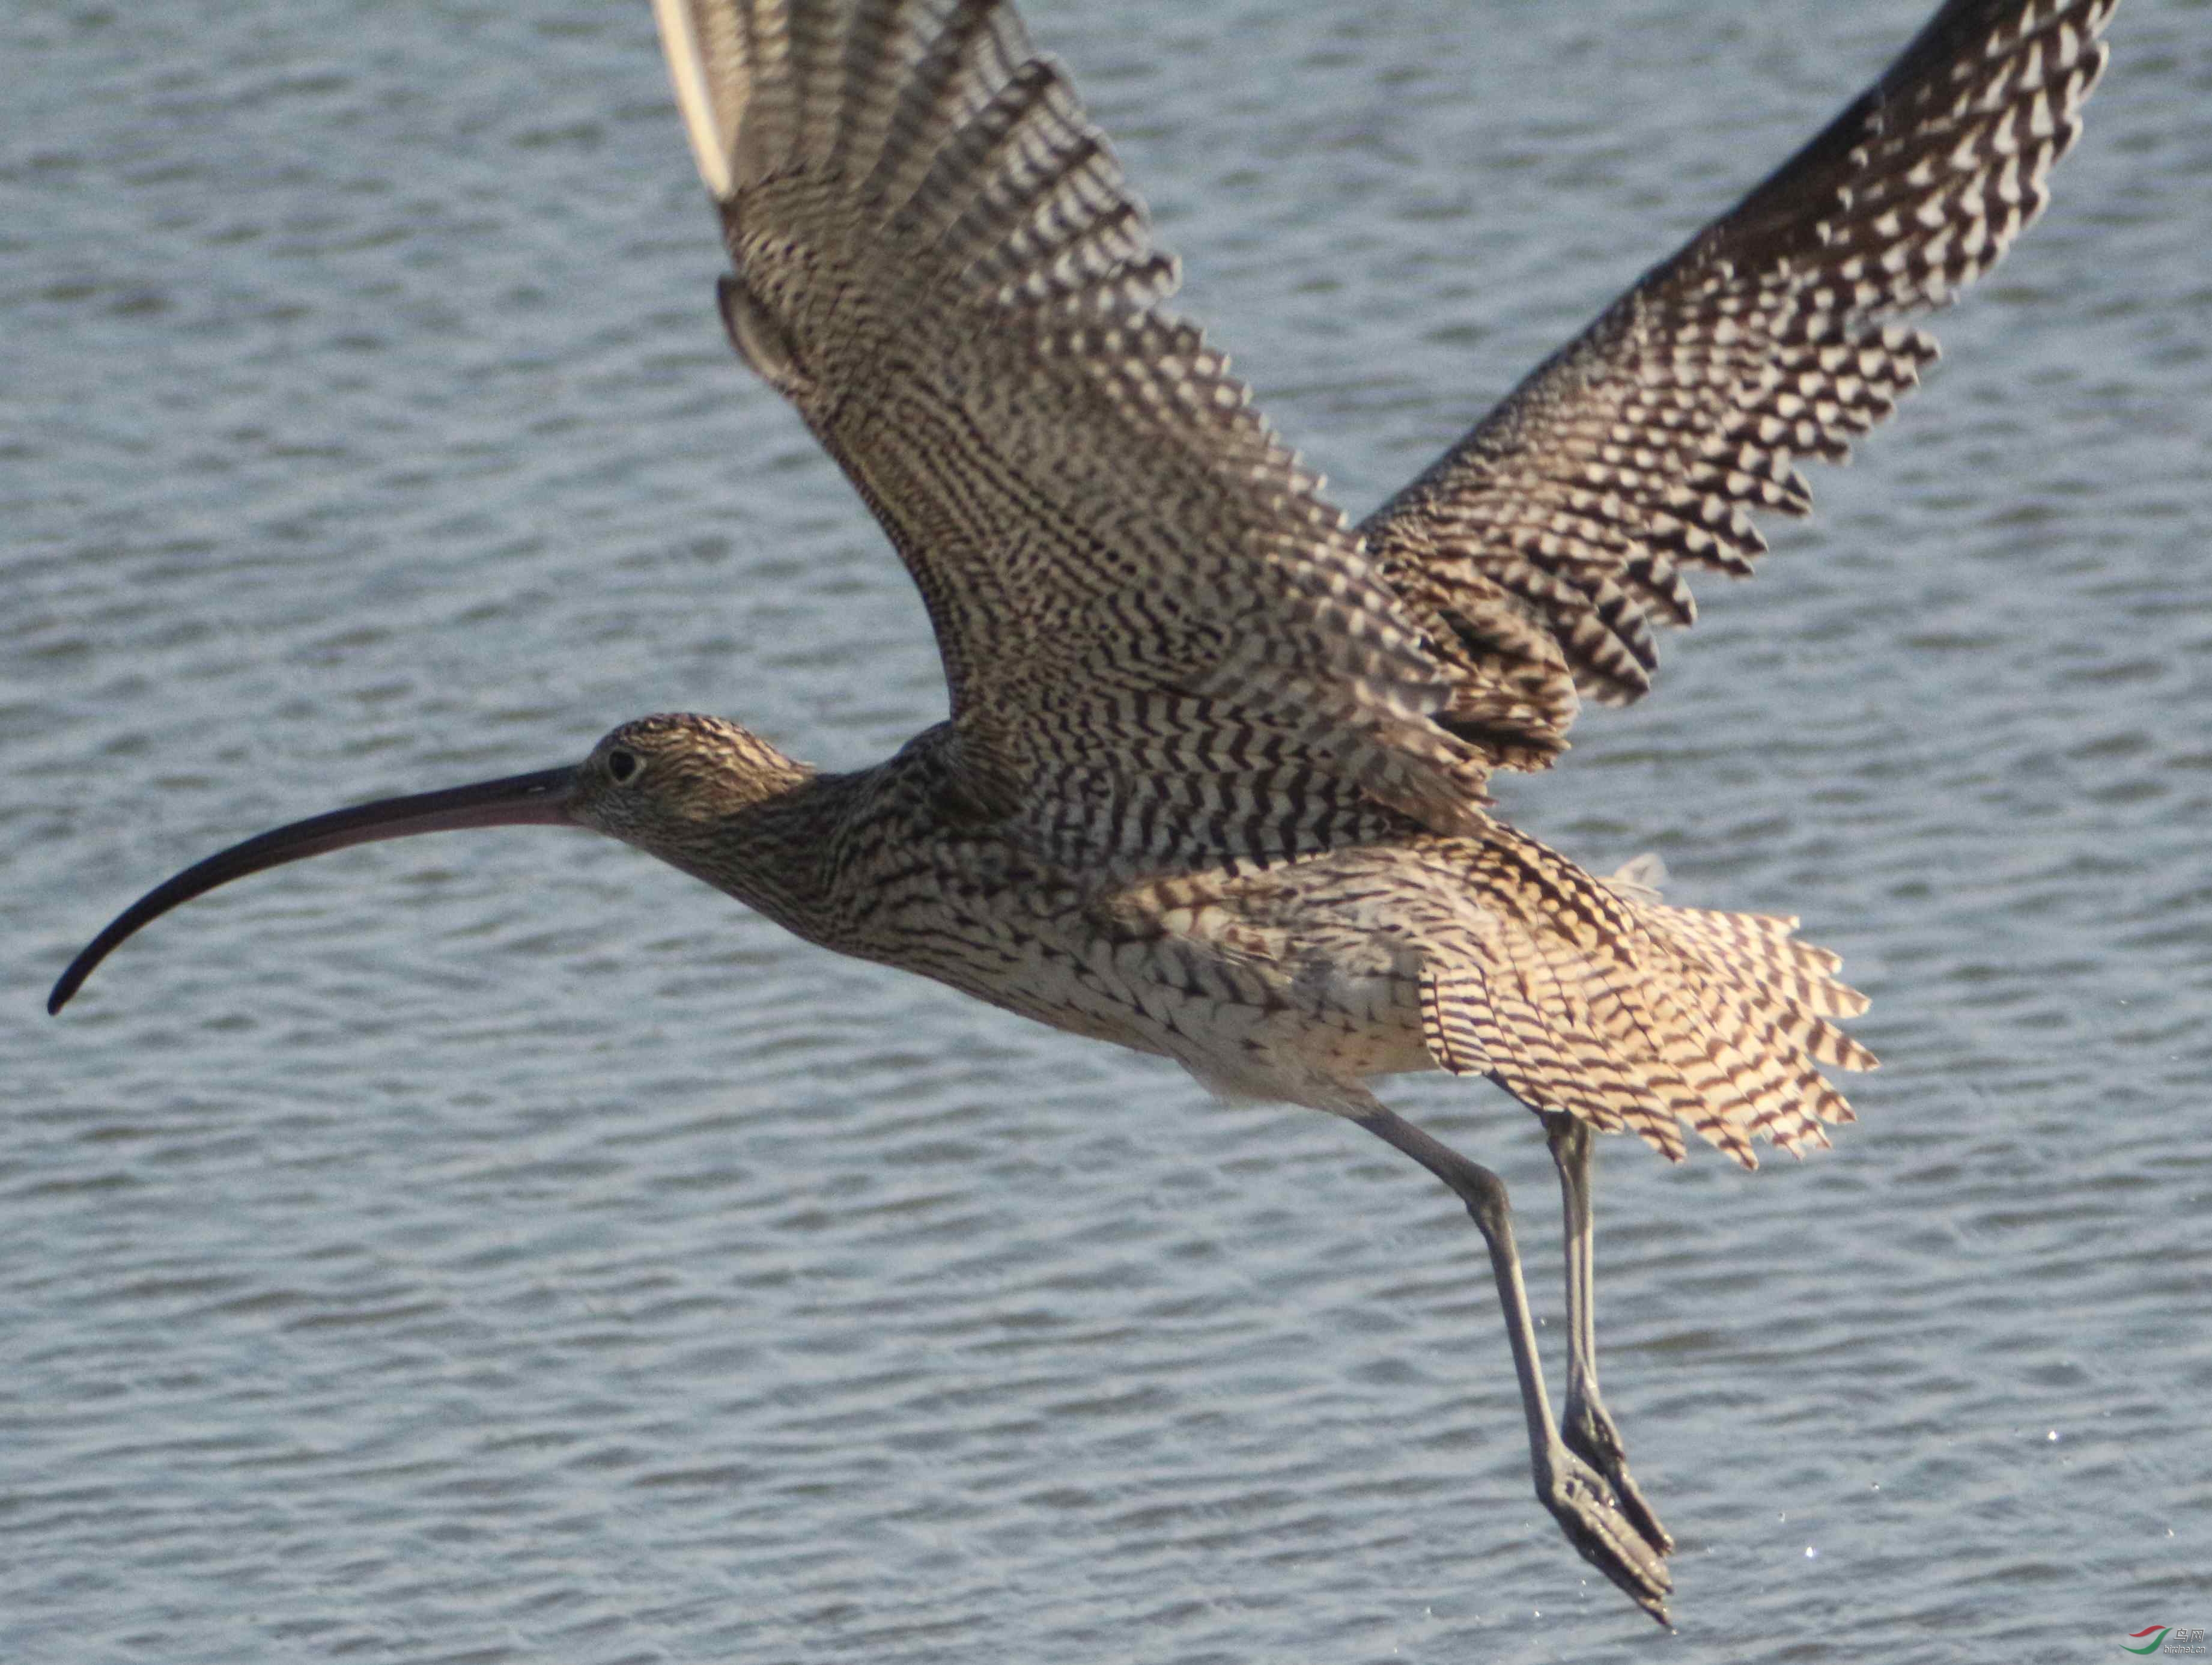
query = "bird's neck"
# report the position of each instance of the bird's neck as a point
(778, 854)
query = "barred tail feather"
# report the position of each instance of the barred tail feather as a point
(1647, 1017)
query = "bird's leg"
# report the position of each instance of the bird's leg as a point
(1579, 1497)
(1588, 1426)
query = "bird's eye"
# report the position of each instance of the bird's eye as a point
(622, 765)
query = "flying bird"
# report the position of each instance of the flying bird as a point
(1213, 786)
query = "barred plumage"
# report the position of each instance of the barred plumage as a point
(1644, 445)
(1212, 787)
(960, 299)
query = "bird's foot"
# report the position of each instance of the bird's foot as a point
(1590, 1433)
(1610, 1539)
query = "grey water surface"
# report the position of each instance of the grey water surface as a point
(503, 1248)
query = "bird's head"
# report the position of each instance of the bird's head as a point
(672, 780)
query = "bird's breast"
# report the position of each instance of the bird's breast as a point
(1263, 989)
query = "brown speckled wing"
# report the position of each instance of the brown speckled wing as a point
(1546, 546)
(1143, 604)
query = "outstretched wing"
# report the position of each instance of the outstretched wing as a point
(1546, 544)
(1141, 602)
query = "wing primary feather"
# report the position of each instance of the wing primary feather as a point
(695, 72)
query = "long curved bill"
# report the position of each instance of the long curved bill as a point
(516, 800)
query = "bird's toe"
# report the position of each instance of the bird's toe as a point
(1609, 1537)
(1591, 1434)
